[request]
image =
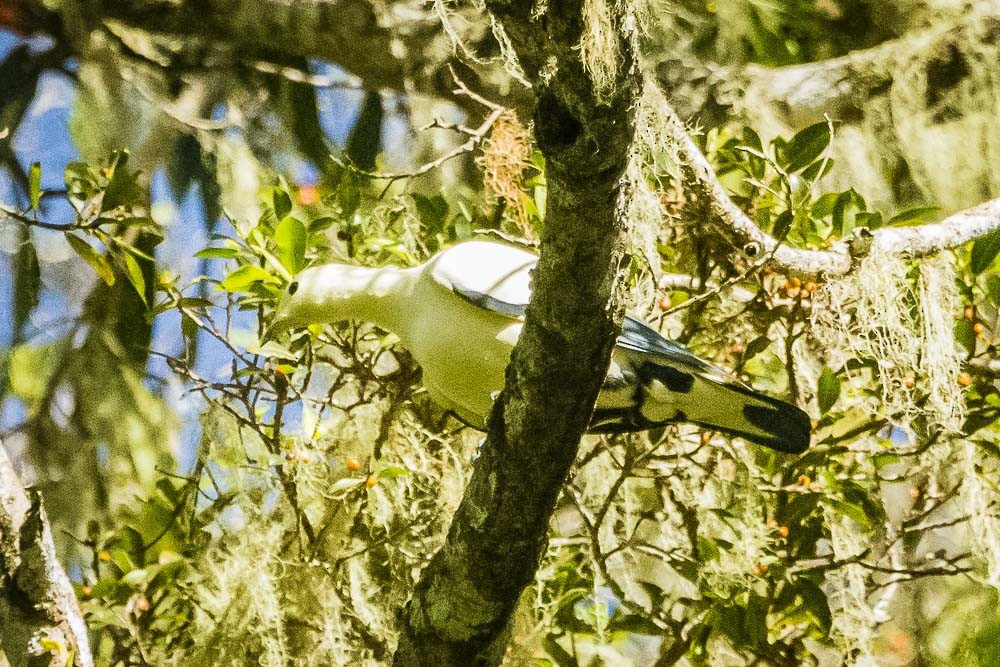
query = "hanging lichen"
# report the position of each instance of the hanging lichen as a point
(900, 324)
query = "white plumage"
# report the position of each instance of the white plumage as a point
(461, 312)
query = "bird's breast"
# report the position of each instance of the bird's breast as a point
(462, 349)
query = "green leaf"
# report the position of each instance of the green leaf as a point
(979, 419)
(559, 655)
(984, 250)
(290, 236)
(298, 103)
(194, 302)
(134, 274)
(432, 211)
(755, 347)
(240, 279)
(217, 253)
(989, 448)
(847, 206)
(365, 139)
(389, 472)
(90, 255)
(964, 334)
(817, 170)
(321, 223)
(806, 146)
(282, 203)
(824, 205)
(27, 281)
(752, 140)
(914, 216)
(123, 188)
(828, 390)
(19, 74)
(852, 511)
(35, 184)
(993, 288)
(869, 219)
(30, 369)
(136, 577)
(273, 349)
(783, 224)
(123, 560)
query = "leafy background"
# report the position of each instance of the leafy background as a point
(190, 523)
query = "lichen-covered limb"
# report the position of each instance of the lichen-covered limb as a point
(840, 87)
(699, 179)
(801, 94)
(461, 608)
(40, 621)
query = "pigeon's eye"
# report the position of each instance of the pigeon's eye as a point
(293, 288)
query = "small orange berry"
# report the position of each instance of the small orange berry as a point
(289, 456)
(796, 282)
(783, 531)
(104, 556)
(914, 493)
(811, 286)
(813, 424)
(353, 463)
(909, 381)
(793, 292)
(804, 480)
(760, 570)
(105, 171)
(965, 379)
(969, 312)
(737, 348)
(305, 457)
(706, 437)
(768, 270)
(666, 303)
(979, 327)
(371, 481)
(86, 591)
(307, 195)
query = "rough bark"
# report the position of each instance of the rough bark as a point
(40, 622)
(460, 611)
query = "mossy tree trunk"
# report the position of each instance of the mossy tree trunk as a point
(461, 609)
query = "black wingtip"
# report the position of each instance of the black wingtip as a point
(790, 426)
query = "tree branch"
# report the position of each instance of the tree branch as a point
(841, 87)
(385, 45)
(700, 180)
(40, 622)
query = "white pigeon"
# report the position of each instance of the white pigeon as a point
(460, 314)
